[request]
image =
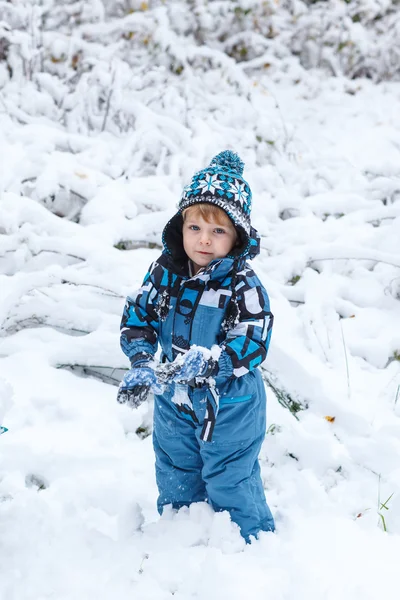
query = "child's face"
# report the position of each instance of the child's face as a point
(203, 242)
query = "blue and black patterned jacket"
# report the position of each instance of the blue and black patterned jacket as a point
(197, 306)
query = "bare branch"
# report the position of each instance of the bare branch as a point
(109, 96)
(376, 260)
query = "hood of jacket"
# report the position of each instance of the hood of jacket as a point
(172, 239)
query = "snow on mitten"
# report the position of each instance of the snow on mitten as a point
(197, 362)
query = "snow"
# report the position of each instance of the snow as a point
(83, 202)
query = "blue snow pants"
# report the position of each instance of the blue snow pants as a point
(224, 472)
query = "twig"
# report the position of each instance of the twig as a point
(347, 363)
(53, 251)
(96, 371)
(377, 260)
(284, 399)
(61, 253)
(135, 244)
(111, 292)
(62, 366)
(145, 557)
(60, 185)
(108, 103)
(33, 322)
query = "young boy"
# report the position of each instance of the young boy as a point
(206, 307)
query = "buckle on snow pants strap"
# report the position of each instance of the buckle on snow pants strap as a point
(211, 414)
(193, 383)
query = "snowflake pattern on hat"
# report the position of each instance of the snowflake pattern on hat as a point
(222, 184)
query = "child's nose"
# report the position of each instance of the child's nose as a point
(205, 239)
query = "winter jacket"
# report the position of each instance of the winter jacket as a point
(197, 307)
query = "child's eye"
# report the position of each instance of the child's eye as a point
(194, 227)
(219, 230)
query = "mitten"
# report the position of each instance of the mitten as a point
(133, 397)
(185, 368)
(136, 384)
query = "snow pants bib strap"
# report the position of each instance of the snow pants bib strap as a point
(211, 414)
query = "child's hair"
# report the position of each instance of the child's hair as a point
(209, 212)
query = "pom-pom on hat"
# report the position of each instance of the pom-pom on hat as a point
(222, 184)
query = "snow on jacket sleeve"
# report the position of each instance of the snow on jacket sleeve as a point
(246, 345)
(140, 323)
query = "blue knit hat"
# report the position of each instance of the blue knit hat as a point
(222, 184)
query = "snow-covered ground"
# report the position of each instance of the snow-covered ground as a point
(77, 488)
